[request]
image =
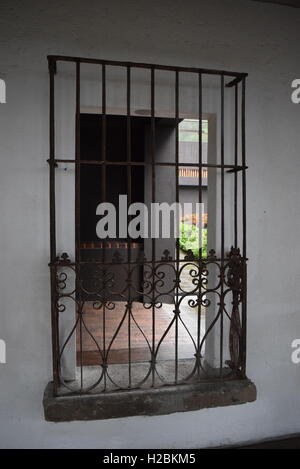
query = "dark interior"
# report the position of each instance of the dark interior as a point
(116, 176)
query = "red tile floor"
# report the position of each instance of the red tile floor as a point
(118, 343)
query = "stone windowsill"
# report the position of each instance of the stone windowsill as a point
(153, 401)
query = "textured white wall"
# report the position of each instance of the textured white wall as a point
(240, 35)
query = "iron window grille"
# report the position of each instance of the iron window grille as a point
(224, 297)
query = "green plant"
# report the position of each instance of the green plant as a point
(189, 239)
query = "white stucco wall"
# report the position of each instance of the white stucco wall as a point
(240, 35)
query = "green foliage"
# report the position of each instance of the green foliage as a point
(189, 239)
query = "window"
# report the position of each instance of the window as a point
(143, 314)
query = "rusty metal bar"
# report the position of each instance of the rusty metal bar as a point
(244, 294)
(153, 198)
(222, 227)
(244, 166)
(236, 116)
(236, 169)
(129, 197)
(232, 167)
(177, 309)
(145, 262)
(79, 304)
(198, 357)
(235, 81)
(54, 312)
(77, 167)
(148, 66)
(103, 198)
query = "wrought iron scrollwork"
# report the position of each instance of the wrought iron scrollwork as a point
(197, 283)
(235, 281)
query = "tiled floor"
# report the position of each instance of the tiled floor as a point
(140, 325)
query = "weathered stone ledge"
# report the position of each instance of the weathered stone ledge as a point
(158, 401)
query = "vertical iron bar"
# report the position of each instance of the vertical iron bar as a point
(200, 222)
(153, 247)
(77, 215)
(244, 295)
(222, 225)
(244, 166)
(236, 98)
(176, 221)
(54, 312)
(103, 197)
(128, 130)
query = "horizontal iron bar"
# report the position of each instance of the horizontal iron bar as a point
(234, 82)
(116, 63)
(232, 167)
(236, 169)
(165, 262)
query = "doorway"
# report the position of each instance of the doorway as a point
(105, 183)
